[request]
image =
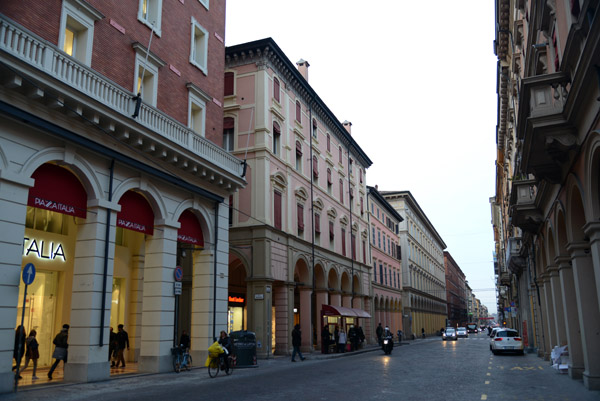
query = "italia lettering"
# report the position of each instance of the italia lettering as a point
(187, 238)
(58, 207)
(42, 250)
(131, 225)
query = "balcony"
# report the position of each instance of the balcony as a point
(525, 211)
(36, 70)
(515, 259)
(549, 141)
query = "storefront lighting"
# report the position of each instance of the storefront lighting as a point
(295, 310)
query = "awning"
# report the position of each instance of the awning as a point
(190, 231)
(136, 214)
(330, 310)
(59, 190)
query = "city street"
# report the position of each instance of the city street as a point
(429, 369)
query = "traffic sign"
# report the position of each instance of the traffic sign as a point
(28, 273)
(177, 288)
(178, 273)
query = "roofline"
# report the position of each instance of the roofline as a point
(259, 46)
(385, 203)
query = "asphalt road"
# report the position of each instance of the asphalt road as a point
(424, 370)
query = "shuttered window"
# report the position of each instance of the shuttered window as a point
(276, 89)
(341, 191)
(331, 232)
(277, 209)
(353, 246)
(328, 143)
(228, 84)
(315, 167)
(300, 216)
(298, 112)
(343, 242)
(317, 223)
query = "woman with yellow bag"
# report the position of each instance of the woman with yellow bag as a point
(220, 356)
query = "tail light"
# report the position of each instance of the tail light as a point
(517, 338)
(498, 339)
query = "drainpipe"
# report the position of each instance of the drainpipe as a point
(352, 246)
(215, 272)
(106, 247)
(313, 296)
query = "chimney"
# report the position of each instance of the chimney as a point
(303, 68)
(348, 125)
(376, 187)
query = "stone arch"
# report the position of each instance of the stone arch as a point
(592, 174)
(333, 280)
(320, 281)
(152, 194)
(576, 213)
(302, 272)
(205, 219)
(345, 283)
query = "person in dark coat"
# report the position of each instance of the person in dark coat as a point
(361, 334)
(112, 347)
(122, 342)
(32, 353)
(61, 342)
(19, 348)
(325, 339)
(353, 338)
(226, 343)
(184, 340)
(296, 343)
(379, 332)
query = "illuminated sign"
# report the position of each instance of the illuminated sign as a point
(43, 250)
(238, 300)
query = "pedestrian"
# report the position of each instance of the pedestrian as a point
(296, 343)
(325, 338)
(32, 353)
(422, 332)
(112, 347)
(122, 342)
(61, 343)
(353, 338)
(336, 338)
(342, 341)
(19, 348)
(379, 333)
(184, 340)
(400, 337)
(361, 335)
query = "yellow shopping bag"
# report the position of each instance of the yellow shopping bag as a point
(213, 352)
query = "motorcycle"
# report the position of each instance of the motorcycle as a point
(387, 345)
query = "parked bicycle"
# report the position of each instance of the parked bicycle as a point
(217, 362)
(181, 358)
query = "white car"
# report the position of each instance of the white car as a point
(462, 332)
(449, 334)
(506, 340)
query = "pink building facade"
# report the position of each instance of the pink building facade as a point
(386, 277)
(299, 230)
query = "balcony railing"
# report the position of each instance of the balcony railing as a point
(525, 202)
(48, 59)
(514, 251)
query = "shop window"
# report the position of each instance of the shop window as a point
(150, 14)
(47, 221)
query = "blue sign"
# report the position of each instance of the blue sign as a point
(28, 273)
(178, 273)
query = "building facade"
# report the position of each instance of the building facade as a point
(386, 256)
(111, 176)
(456, 293)
(299, 230)
(546, 209)
(423, 272)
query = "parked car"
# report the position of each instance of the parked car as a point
(506, 340)
(494, 330)
(462, 332)
(449, 334)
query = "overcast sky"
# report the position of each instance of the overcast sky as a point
(417, 79)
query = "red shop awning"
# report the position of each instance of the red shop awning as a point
(190, 231)
(330, 310)
(59, 190)
(136, 213)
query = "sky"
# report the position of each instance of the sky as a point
(417, 79)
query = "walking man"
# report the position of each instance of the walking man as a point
(379, 332)
(122, 342)
(61, 342)
(296, 342)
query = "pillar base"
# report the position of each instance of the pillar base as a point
(84, 372)
(575, 373)
(7, 382)
(591, 382)
(156, 364)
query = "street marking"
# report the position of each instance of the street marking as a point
(488, 374)
(490, 362)
(540, 368)
(487, 382)
(483, 397)
(489, 367)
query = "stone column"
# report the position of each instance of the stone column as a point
(88, 359)
(260, 292)
(550, 316)
(201, 333)
(135, 303)
(335, 299)
(158, 312)
(544, 350)
(322, 297)
(592, 230)
(305, 319)
(347, 301)
(557, 302)
(283, 299)
(569, 302)
(589, 314)
(13, 203)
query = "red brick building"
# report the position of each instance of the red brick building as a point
(456, 293)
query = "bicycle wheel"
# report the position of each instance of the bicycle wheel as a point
(213, 367)
(188, 365)
(229, 369)
(176, 363)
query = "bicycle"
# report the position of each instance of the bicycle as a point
(217, 363)
(181, 359)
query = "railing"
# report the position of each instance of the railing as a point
(27, 47)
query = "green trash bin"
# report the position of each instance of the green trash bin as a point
(244, 348)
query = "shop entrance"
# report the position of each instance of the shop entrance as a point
(40, 312)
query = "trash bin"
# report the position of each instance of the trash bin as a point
(244, 348)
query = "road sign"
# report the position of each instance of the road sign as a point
(177, 288)
(28, 273)
(178, 273)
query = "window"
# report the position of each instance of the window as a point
(146, 74)
(317, 223)
(379, 238)
(205, 3)
(150, 13)
(360, 175)
(329, 181)
(364, 249)
(373, 236)
(353, 245)
(331, 231)
(328, 142)
(276, 89)
(314, 129)
(229, 84)
(380, 273)
(343, 241)
(300, 210)
(77, 30)
(199, 47)
(386, 275)
(375, 271)
(298, 156)
(228, 124)
(276, 137)
(341, 191)
(230, 210)
(197, 108)
(340, 150)
(298, 112)
(362, 206)
(277, 209)
(315, 167)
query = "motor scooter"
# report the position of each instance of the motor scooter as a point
(387, 344)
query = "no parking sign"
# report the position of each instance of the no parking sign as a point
(178, 273)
